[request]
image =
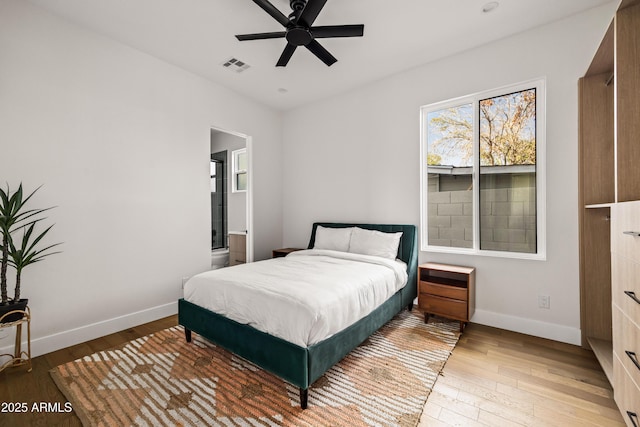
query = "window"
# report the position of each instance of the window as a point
(213, 176)
(482, 173)
(239, 170)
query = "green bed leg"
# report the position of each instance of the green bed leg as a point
(304, 398)
(187, 334)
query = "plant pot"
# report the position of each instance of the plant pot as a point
(13, 306)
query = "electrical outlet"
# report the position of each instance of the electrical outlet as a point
(544, 301)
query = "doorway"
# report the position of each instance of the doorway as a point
(230, 203)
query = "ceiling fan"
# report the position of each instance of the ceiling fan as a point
(299, 30)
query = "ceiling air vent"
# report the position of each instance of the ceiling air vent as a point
(234, 64)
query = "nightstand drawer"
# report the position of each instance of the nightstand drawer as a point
(446, 291)
(446, 307)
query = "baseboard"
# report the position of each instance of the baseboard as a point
(522, 325)
(43, 345)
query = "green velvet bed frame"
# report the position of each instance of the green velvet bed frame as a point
(301, 366)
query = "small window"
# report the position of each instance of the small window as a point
(213, 177)
(483, 173)
(240, 170)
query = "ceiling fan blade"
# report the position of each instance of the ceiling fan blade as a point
(310, 12)
(286, 55)
(338, 31)
(322, 53)
(273, 11)
(261, 36)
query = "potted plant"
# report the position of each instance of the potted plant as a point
(13, 217)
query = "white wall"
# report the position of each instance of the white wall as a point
(120, 141)
(356, 158)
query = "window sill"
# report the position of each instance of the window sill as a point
(541, 256)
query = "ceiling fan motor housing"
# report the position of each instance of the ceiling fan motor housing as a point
(299, 36)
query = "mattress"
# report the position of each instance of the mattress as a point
(302, 298)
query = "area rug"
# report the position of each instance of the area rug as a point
(160, 380)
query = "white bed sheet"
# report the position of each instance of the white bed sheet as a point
(303, 298)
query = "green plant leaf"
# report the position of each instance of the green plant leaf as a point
(27, 253)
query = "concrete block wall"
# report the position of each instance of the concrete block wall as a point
(507, 218)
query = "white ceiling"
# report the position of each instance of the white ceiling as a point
(198, 35)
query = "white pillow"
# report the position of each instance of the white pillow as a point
(335, 239)
(373, 242)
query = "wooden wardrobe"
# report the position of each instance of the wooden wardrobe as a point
(609, 211)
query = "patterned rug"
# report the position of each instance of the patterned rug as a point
(160, 380)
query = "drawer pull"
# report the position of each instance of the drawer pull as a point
(634, 418)
(632, 295)
(632, 233)
(633, 357)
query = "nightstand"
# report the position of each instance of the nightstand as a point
(277, 253)
(447, 291)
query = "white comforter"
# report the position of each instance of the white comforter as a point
(303, 298)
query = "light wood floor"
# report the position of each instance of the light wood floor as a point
(501, 378)
(493, 378)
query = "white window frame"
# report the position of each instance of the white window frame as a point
(236, 171)
(541, 160)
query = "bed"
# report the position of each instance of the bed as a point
(301, 365)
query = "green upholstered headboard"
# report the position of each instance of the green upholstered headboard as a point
(407, 250)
